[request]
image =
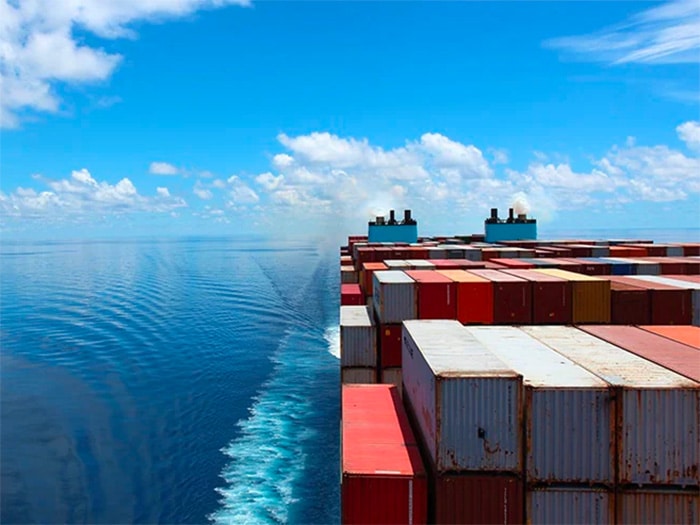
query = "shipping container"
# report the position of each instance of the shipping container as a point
(684, 284)
(590, 267)
(675, 356)
(629, 304)
(551, 297)
(654, 507)
(348, 275)
(565, 264)
(476, 499)
(569, 506)
(512, 297)
(383, 478)
(668, 304)
(466, 402)
(396, 264)
(392, 376)
(436, 294)
(390, 345)
(394, 296)
(668, 265)
(357, 375)
(688, 335)
(474, 297)
(657, 410)
(437, 253)
(516, 264)
(366, 273)
(569, 424)
(351, 294)
(358, 337)
(619, 266)
(590, 296)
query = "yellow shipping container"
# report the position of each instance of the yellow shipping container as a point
(590, 296)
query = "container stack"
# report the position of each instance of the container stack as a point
(466, 408)
(656, 443)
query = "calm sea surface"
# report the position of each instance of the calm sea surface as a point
(175, 381)
(179, 381)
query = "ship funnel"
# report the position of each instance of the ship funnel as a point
(494, 213)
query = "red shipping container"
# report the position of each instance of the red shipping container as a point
(383, 253)
(351, 294)
(668, 265)
(557, 251)
(476, 499)
(474, 297)
(629, 304)
(580, 250)
(686, 334)
(675, 356)
(490, 253)
(418, 252)
(366, 273)
(590, 267)
(390, 345)
(551, 297)
(364, 254)
(437, 294)
(668, 304)
(691, 248)
(401, 252)
(489, 265)
(384, 480)
(563, 264)
(512, 297)
(446, 264)
(515, 264)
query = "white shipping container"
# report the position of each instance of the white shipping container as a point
(358, 337)
(644, 267)
(348, 275)
(569, 426)
(688, 285)
(420, 264)
(658, 411)
(437, 253)
(654, 507)
(466, 401)
(394, 296)
(361, 376)
(471, 253)
(397, 264)
(558, 506)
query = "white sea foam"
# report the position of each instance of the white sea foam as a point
(332, 336)
(268, 458)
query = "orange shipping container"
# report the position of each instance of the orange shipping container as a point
(368, 269)
(474, 297)
(590, 296)
(686, 334)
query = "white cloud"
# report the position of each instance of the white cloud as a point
(203, 193)
(83, 196)
(466, 160)
(240, 192)
(689, 132)
(39, 48)
(282, 160)
(269, 181)
(665, 34)
(163, 168)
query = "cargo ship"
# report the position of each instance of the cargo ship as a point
(500, 378)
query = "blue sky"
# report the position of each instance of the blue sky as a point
(156, 117)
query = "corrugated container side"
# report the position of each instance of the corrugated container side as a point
(357, 375)
(590, 296)
(394, 296)
(569, 419)
(348, 275)
(358, 337)
(681, 283)
(474, 297)
(658, 411)
(392, 376)
(390, 345)
(512, 297)
(559, 506)
(629, 304)
(658, 507)
(467, 403)
(351, 294)
(477, 499)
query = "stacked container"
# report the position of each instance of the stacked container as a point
(436, 295)
(467, 410)
(512, 297)
(383, 478)
(569, 430)
(590, 296)
(668, 304)
(657, 411)
(358, 345)
(551, 297)
(686, 284)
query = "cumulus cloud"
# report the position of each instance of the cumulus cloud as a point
(163, 168)
(665, 34)
(689, 132)
(82, 195)
(39, 49)
(240, 193)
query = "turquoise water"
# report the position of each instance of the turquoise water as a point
(179, 381)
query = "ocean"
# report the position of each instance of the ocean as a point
(169, 381)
